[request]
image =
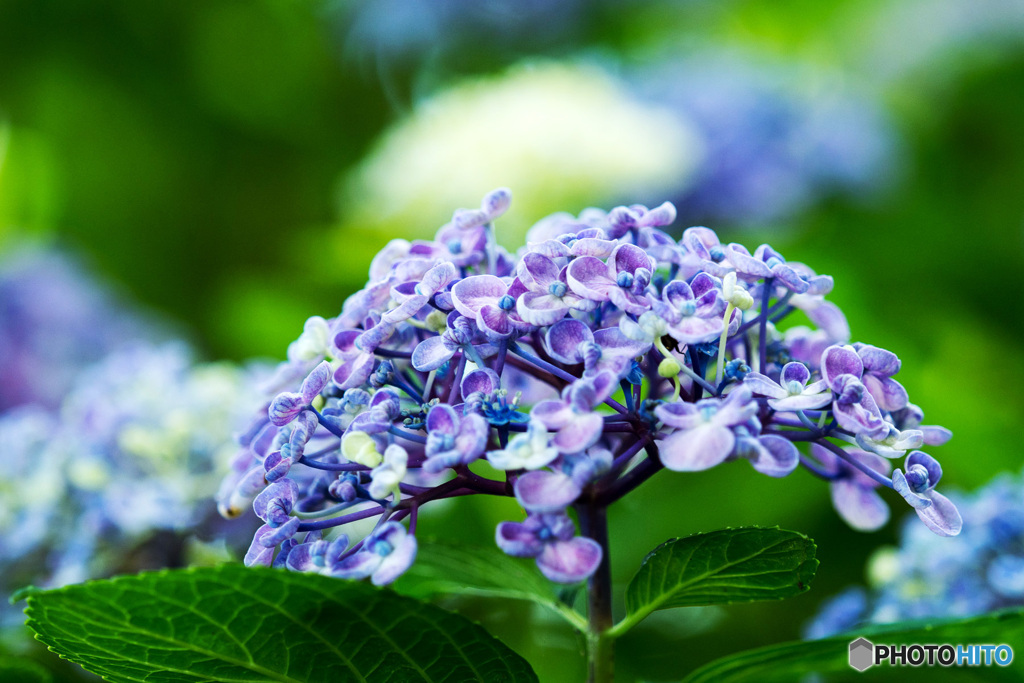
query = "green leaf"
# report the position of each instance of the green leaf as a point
(444, 568)
(791, 661)
(22, 593)
(18, 670)
(731, 565)
(232, 623)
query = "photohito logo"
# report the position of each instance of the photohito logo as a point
(864, 654)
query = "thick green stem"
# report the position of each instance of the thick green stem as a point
(600, 652)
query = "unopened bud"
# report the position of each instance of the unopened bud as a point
(669, 368)
(735, 294)
(359, 447)
(437, 321)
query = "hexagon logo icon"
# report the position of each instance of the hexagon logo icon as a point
(862, 654)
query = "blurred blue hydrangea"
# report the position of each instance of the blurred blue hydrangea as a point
(778, 135)
(54, 320)
(136, 448)
(978, 571)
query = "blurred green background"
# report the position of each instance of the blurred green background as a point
(207, 157)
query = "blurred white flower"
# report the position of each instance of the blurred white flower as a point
(561, 134)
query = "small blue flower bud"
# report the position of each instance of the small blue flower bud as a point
(557, 289)
(705, 348)
(385, 370)
(917, 477)
(506, 303)
(625, 279)
(344, 488)
(635, 374)
(736, 369)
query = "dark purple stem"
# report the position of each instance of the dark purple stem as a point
(499, 363)
(408, 436)
(626, 455)
(487, 486)
(626, 427)
(325, 424)
(558, 372)
(841, 452)
(698, 368)
(762, 341)
(332, 466)
(632, 479)
(771, 311)
(793, 435)
(536, 373)
(455, 389)
(388, 353)
(817, 469)
(338, 521)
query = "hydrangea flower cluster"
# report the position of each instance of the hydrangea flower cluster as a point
(979, 571)
(137, 447)
(603, 352)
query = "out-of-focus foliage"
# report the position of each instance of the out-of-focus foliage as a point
(181, 144)
(27, 185)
